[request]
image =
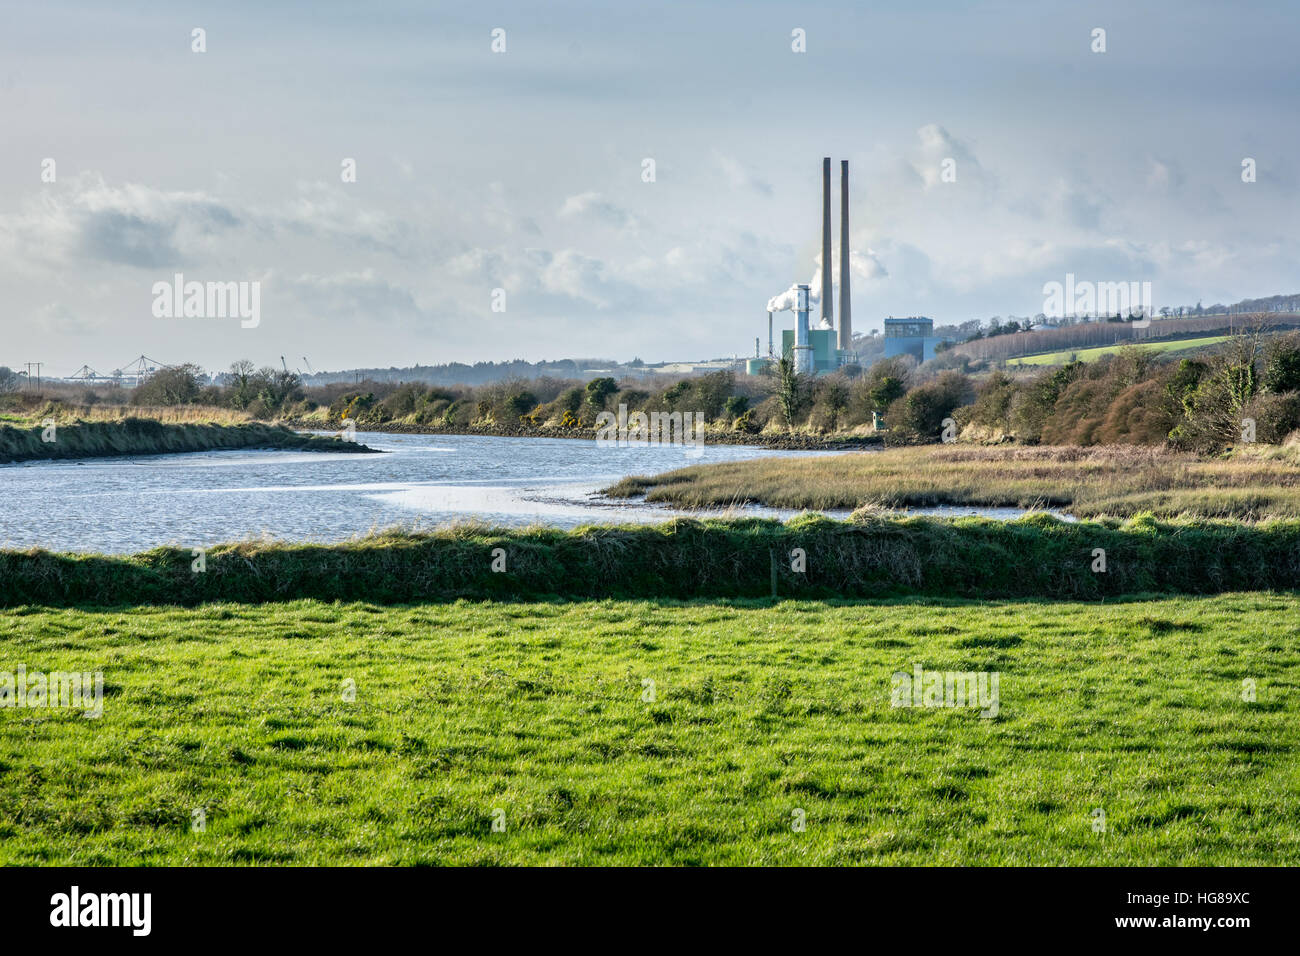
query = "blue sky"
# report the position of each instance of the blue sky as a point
(522, 170)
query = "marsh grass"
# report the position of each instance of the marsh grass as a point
(1121, 481)
(761, 709)
(64, 412)
(149, 436)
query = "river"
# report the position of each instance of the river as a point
(116, 505)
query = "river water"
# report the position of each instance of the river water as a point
(115, 505)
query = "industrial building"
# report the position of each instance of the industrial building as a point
(911, 336)
(821, 345)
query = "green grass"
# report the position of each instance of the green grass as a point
(1116, 480)
(462, 709)
(1089, 355)
(1035, 556)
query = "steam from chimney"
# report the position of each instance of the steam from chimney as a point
(789, 299)
(864, 265)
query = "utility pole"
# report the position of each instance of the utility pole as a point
(37, 366)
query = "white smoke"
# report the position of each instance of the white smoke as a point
(789, 299)
(863, 265)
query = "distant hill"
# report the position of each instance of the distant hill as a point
(458, 373)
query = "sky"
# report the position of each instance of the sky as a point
(502, 206)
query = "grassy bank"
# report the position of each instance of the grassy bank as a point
(1037, 556)
(1104, 480)
(540, 712)
(146, 436)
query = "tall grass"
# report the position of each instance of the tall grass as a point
(1036, 556)
(1119, 481)
(65, 412)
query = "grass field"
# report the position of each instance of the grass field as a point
(1116, 480)
(537, 711)
(1089, 355)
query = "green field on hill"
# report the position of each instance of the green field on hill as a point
(658, 733)
(1088, 355)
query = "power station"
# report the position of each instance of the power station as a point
(824, 348)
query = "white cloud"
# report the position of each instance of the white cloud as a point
(935, 147)
(131, 225)
(356, 297)
(592, 206)
(739, 176)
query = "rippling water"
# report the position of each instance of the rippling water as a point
(131, 504)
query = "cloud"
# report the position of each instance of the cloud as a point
(579, 277)
(935, 146)
(358, 297)
(594, 207)
(331, 213)
(132, 225)
(1164, 176)
(741, 177)
(499, 214)
(57, 318)
(1080, 207)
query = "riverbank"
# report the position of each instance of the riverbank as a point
(713, 436)
(808, 557)
(147, 436)
(1255, 482)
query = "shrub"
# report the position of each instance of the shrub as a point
(1276, 416)
(919, 414)
(599, 390)
(1282, 365)
(178, 385)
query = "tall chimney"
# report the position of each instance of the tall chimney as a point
(846, 314)
(828, 307)
(802, 354)
(770, 354)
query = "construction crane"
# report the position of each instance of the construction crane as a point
(140, 369)
(310, 370)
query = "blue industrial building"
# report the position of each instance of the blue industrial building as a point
(911, 336)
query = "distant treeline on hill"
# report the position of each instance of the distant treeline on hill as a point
(1095, 334)
(458, 373)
